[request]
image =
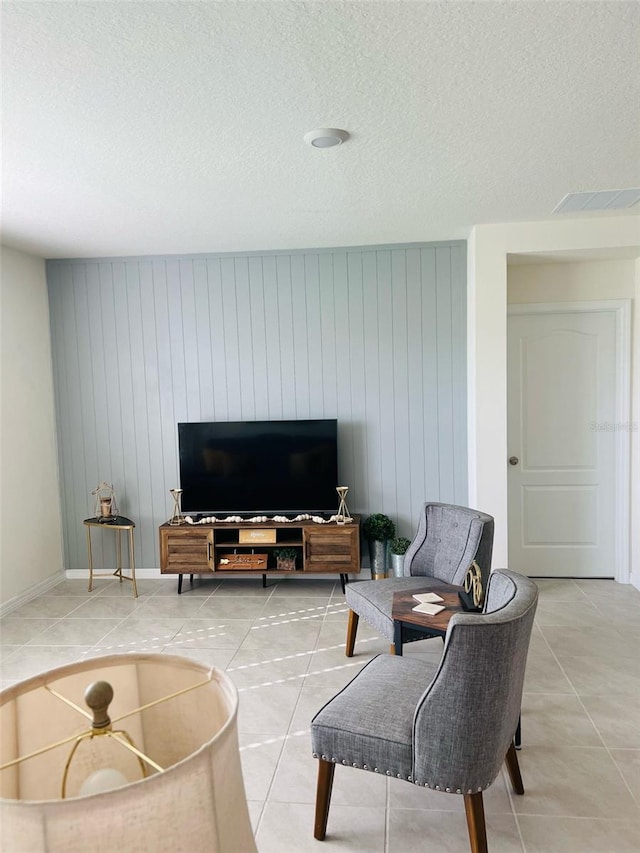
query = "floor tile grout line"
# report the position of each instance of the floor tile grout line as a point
(284, 741)
(584, 708)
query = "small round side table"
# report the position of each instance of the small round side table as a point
(118, 523)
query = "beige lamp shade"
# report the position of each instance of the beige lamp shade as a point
(195, 802)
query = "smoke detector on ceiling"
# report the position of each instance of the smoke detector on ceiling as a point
(598, 200)
(326, 137)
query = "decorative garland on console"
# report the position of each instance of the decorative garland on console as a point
(260, 519)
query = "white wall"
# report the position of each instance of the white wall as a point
(30, 521)
(488, 250)
(571, 282)
(635, 436)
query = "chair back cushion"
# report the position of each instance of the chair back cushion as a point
(467, 717)
(449, 538)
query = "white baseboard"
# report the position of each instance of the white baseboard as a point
(32, 592)
(150, 574)
(83, 574)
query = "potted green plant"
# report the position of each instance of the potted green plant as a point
(377, 530)
(397, 549)
(285, 559)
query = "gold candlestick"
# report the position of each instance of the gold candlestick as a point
(177, 517)
(342, 516)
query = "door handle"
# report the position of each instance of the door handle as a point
(513, 460)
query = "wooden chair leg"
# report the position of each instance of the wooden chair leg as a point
(352, 627)
(392, 649)
(514, 769)
(326, 769)
(474, 808)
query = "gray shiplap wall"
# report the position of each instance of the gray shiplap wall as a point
(374, 336)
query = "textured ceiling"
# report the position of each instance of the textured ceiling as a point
(176, 127)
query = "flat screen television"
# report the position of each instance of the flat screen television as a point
(258, 467)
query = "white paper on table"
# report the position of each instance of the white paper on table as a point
(428, 609)
(427, 597)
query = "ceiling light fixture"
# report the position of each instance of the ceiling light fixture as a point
(326, 137)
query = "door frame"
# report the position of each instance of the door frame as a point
(622, 485)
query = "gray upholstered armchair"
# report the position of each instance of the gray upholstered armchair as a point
(446, 726)
(448, 540)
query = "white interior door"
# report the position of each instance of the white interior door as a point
(562, 432)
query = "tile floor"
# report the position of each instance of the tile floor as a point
(284, 649)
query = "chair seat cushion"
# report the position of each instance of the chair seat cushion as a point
(373, 600)
(369, 724)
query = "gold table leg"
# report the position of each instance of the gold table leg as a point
(118, 571)
(132, 564)
(90, 558)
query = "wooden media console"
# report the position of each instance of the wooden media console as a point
(219, 548)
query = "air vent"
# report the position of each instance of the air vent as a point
(599, 200)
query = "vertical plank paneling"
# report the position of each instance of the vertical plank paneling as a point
(327, 335)
(140, 501)
(445, 390)
(61, 402)
(386, 413)
(154, 448)
(375, 338)
(372, 476)
(459, 371)
(429, 357)
(259, 333)
(343, 368)
(218, 344)
(400, 362)
(72, 428)
(355, 337)
(272, 339)
(416, 390)
(190, 340)
(166, 397)
(176, 342)
(299, 334)
(204, 360)
(287, 360)
(315, 349)
(230, 332)
(245, 341)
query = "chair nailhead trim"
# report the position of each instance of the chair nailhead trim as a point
(354, 764)
(389, 773)
(365, 767)
(448, 790)
(409, 779)
(324, 758)
(458, 791)
(344, 760)
(315, 755)
(375, 770)
(437, 787)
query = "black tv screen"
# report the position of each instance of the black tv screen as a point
(258, 467)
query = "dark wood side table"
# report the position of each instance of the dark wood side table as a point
(117, 523)
(409, 624)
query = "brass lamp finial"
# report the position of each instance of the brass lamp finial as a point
(98, 697)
